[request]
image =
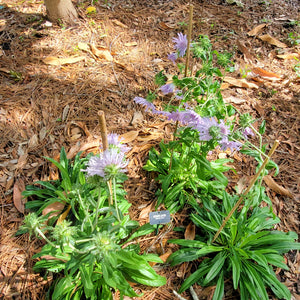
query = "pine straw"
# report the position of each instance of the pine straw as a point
(53, 106)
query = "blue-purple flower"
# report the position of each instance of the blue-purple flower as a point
(109, 164)
(114, 141)
(148, 105)
(226, 144)
(248, 131)
(173, 56)
(180, 43)
(167, 88)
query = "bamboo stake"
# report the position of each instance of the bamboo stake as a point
(247, 190)
(103, 129)
(187, 61)
(103, 132)
(189, 37)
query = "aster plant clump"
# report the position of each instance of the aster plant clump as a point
(204, 122)
(83, 218)
(232, 244)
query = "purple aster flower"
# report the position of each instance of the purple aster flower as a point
(190, 118)
(225, 144)
(224, 129)
(173, 56)
(174, 116)
(205, 128)
(114, 141)
(167, 88)
(110, 163)
(248, 131)
(142, 101)
(180, 43)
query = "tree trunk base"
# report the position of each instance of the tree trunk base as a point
(61, 11)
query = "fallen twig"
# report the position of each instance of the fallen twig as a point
(178, 296)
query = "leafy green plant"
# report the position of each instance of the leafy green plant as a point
(238, 245)
(245, 251)
(189, 174)
(87, 244)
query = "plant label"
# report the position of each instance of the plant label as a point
(159, 217)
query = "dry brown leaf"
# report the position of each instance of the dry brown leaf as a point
(233, 99)
(190, 232)
(55, 61)
(63, 215)
(256, 30)
(270, 182)
(165, 256)
(225, 86)
(247, 55)
(289, 56)
(22, 161)
(181, 273)
(33, 141)
(265, 74)
(118, 23)
(164, 26)
(146, 210)
(129, 136)
(4, 70)
(137, 118)
(54, 209)
(240, 83)
(269, 39)
(150, 137)
(101, 53)
(19, 200)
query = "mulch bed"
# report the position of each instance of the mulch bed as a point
(47, 104)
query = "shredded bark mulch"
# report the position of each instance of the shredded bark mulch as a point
(54, 79)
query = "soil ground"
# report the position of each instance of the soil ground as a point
(49, 99)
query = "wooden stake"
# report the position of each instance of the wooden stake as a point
(189, 37)
(103, 129)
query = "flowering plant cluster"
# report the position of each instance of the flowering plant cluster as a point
(83, 218)
(230, 245)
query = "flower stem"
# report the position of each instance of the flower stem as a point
(45, 238)
(99, 203)
(115, 198)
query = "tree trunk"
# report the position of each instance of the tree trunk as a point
(61, 11)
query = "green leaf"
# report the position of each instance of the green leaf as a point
(143, 230)
(187, 243)
(86, 272)
(189, 254)
(196, 276)
(160, 78)
(217, 264)
(278, 288)
(219, 291)
(276, 260)
(236, 268)
(64, 173)
(262, 127)
(256, 280)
